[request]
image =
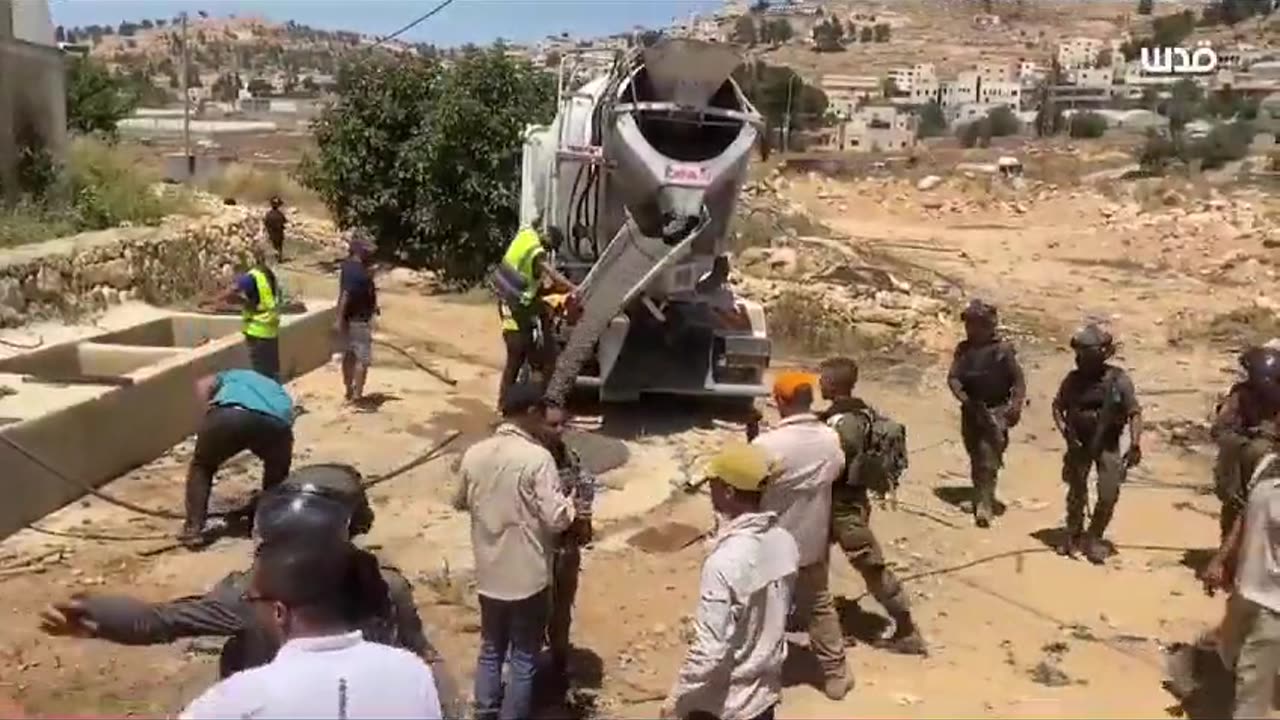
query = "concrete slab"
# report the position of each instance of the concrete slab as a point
(92, 433)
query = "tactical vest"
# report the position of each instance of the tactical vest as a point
(263, 320)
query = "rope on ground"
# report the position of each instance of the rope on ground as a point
(422, 459)
(105, 537)
(23, 346)
(416, 362)
(89, 489)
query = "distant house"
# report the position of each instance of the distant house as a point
(846, 92)
(874, 128)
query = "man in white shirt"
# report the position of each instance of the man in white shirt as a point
(733, 668)
(511, 487)
(307, 594)
(809, 458)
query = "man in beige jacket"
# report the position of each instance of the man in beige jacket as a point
(809, 458)
(511, 487)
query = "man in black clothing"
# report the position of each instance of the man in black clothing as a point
(315, 503)
(357, 304)
(274, 223)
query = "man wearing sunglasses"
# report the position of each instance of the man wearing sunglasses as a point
(315, 503)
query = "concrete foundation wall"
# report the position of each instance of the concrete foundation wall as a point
(93, 434)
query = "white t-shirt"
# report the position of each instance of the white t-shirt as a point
(1258, 576)
(339, 676)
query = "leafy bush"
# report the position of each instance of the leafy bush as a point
(975, 134)
(427, 157)
(1225, 143)
(1003, 122)
(932, 121)
(100, 186)
(96, 101)
(1088, 125)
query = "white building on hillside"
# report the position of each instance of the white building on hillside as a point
(1103, 77)
(1001, 93)
(846, 92)
(1079, 52)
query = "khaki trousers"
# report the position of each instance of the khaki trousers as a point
(1252, 634)
(816, 611)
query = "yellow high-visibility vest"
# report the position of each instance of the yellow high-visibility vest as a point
(262, 321)
(521, 256)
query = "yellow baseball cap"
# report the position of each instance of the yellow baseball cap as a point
(741, 466)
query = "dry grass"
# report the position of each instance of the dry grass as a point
(805, 323)
(256, 185)
(1239, 328)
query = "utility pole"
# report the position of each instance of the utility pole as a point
(786, 121)
(186, 103)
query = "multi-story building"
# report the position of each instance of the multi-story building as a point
(1102, 77)
(1030, 72)
(995, 72)
(961, 91)
(1001, 93)
(875, 128)
(1079, 52)
(906, 79)
(846, 92)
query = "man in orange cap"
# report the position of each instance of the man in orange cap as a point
(733, 668)
(808, 457)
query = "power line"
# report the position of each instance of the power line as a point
(443, 4)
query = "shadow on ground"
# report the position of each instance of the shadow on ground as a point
(858, 624)
(578, 701)
(961, 496)
(663, 415)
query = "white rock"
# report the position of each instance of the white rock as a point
(929, 182)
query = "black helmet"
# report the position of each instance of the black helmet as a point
(326, 499)
(979, 310)
(1092, 336)
(1261, 364)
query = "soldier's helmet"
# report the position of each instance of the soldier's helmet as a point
(321, 501)
(1092, 336)
(979, 310)
(1261, 364)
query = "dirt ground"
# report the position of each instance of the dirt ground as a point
(1028, 634)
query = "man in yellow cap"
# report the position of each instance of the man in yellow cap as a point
(809, 458)
(733, 667)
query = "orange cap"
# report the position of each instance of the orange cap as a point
(788, 383)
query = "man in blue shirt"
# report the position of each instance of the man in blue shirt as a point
(247, 411)
(357, 304)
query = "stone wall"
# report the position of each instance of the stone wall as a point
(73, 277)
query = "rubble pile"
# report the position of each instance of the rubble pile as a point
(825, 292)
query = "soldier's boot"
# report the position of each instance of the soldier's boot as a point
(1094, 548)
(984, 490)
(906, 638)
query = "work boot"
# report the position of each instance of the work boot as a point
(1070, 545)
(1095, 550)
(905, 640)
(982, 512)
(836, 688)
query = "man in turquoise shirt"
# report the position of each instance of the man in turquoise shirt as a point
(247, 411)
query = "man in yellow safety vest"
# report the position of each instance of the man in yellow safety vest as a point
(519, 281)
(258, 295)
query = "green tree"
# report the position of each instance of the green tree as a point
(1003, 122)
(867, 34)
(427, 157)
(1088, 125)
(933, 122)
(96, 101)
(768, 87)
(827, 36)
(1145, 7)
(882, 32)
(744, 30)
(60, 34)
(975, 134)
(1156, 152)
(780, 31)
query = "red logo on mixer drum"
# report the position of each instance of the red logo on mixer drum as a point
(691, 174)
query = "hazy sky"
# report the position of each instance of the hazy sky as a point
(477, 21)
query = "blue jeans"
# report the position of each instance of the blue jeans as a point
(510, 631)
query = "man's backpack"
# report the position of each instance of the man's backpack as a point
(883, 460)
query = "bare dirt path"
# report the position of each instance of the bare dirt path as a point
(1027, 634)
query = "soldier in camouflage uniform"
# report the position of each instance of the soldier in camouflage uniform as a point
(1246, 423)
(1094, 404)
(851, 506)
(987, 379)
(317, 501)
(578, 483)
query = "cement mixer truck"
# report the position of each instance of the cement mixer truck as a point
(633, 186)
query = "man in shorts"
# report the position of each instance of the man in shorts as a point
(357, 304)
